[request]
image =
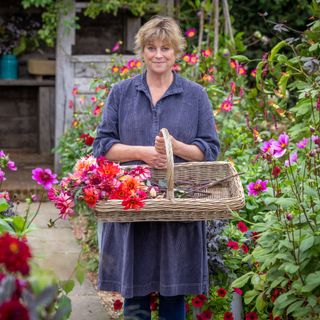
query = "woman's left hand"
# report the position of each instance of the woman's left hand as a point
(159, 144)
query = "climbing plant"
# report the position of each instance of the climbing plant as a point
(53, 9)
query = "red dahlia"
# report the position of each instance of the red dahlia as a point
(117, 305)
(221, 292)
(14, 254)
(228, 316)
(13, 310)
(251, 316)
(197, 302)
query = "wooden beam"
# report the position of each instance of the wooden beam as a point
(64, 77)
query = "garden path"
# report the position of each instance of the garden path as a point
(56, 249)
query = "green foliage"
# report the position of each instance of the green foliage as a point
(136, 7)
(280, 273)
(53, 10)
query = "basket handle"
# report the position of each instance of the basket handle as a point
(170, 163)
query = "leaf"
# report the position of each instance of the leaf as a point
(312, 281)
(276, 282)
(291, 268)
(67, 285)
(294, 306)
(80, 273)
(282, 58)
(306, 243)
(284, 300)
(302, 107)
(18, 223)
(301, 312)
(283, 83)
(276, 49)
(259, 68)
(257, 282)
(314, 47)
(3, 205)
(261, 303)
(250, 295)
(310, 191)
(240, 282)
(64, 309)
(47, 296)
(286, 202)
(5, 226)
(240, 58)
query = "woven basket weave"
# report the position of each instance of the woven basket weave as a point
(224, 196)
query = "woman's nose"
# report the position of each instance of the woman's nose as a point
(158, 53)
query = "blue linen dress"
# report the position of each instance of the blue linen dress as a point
(167, 257)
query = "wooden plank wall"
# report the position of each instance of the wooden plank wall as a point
(85, 69)
(18, 118)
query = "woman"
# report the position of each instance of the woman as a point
(138, 259)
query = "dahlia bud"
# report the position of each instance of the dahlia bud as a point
(312, 153)
(276, 171)
(257, 34)
(312, 130)
(289, 216)
(226, 52)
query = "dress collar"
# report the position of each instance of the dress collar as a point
(174, 88)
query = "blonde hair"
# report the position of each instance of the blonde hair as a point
(163, 28)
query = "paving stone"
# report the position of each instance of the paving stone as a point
(87, 308)
(56, 249)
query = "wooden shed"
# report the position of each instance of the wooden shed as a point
(34, 111)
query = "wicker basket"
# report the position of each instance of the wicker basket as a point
(226, 194)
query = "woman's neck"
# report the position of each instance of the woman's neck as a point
(159, 80)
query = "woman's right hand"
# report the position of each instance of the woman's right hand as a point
(153, 158)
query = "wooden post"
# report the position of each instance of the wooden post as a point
(216, 27)
(46, 121)
(167, 7)
(132, 26)
(64, 77)
(227, 20)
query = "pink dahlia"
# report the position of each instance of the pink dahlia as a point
(65, 204)
(2, 176)
(141, 172)
(191, 32)
(227, 105)
(11, 165)
(292, 158)
(44, 177)
(257, 187)
(238, 291)
(303, 143)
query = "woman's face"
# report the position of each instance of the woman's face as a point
(159, 57)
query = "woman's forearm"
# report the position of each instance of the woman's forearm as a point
(189, 152)
(122, 153)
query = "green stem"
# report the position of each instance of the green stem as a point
(41, 198)
(299, 199)
(26, 218)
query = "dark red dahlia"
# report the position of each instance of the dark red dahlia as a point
(13, 310)
(14, 254)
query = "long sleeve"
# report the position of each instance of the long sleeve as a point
(108, 129)
(207, 139)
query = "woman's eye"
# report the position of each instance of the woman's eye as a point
(150, 48)
(165, 48)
